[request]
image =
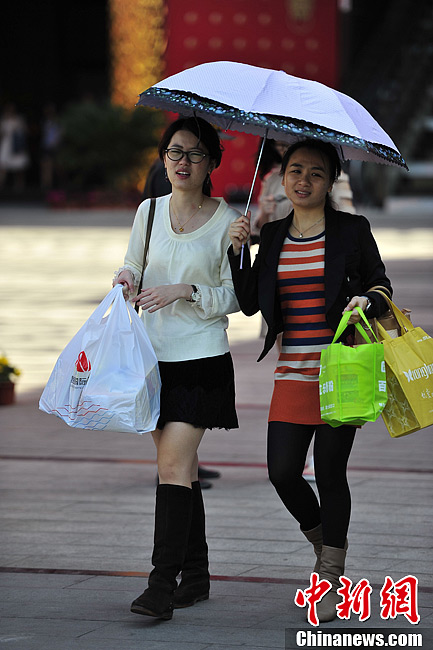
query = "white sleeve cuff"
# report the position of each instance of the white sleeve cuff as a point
(135, 274)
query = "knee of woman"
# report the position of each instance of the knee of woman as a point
(171, 472)
(330, 481)
(280, 477)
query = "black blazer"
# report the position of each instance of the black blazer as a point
(352, 266)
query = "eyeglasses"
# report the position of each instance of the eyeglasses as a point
(176, 154)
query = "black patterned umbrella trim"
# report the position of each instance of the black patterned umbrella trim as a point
(181, 100)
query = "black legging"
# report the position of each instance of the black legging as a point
(287, 451)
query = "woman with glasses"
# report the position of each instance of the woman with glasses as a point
(185, 297)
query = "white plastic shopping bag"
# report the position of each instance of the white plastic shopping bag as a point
(107, 377)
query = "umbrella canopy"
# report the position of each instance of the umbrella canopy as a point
(260, 101)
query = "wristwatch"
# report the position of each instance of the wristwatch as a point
(368, 303)
(195, 294)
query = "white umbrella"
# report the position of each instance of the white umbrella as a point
(271, 103)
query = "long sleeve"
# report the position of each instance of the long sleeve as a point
(373, 271)
(220, 300)
(245, 280)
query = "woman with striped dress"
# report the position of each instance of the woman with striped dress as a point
(310, 268)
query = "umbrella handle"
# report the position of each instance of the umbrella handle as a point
(242, 257)
(251, 190)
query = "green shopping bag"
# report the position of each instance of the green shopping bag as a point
(352, 380)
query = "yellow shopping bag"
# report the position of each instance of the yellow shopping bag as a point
(409, 377)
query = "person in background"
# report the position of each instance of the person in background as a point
(14, 155)
(51, 137)
(310, 268)
(157, 182)
(273, 203)
(186, 295)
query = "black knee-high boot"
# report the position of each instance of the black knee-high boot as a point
(195, 582)
(172, 525)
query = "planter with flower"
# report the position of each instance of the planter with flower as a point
(7, 386)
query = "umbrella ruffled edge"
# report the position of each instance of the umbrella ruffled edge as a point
(226, 116)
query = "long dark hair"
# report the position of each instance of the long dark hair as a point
(326, 149)
(204, 133)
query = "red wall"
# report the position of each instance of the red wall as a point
(297, 36)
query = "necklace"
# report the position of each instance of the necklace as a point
(181, 227)
(301, 234)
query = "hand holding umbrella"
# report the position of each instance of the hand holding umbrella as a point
(239, 232)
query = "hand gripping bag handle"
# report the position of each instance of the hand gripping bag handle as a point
(343, 324)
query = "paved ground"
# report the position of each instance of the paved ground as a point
(77, 507)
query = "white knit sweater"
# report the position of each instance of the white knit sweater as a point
(185, 330)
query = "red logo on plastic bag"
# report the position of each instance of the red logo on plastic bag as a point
(80, 377)
(82, 364)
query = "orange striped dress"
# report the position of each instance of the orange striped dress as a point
(301, 288)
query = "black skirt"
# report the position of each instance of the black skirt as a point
(200, 392)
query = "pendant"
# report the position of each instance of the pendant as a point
(300, 235)
(181, 229)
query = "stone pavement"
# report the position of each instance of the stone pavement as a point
(76, 507)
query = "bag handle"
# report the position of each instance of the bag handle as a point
(380, 289)
(116, 293)
(384, 334)
(402, 320)
(146, 244)
(343, 324)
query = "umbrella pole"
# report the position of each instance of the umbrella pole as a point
(252, 188)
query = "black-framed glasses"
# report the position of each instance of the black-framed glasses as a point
(193, 156)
